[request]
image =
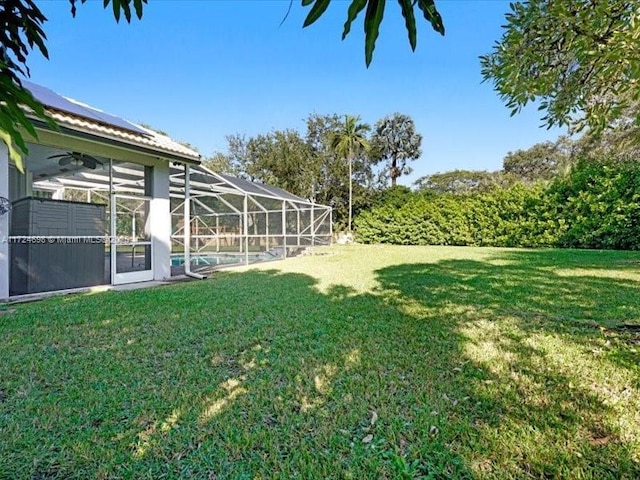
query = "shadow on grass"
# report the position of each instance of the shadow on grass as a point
(448, 370)
(534, 328)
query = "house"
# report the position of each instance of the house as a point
(103, 201)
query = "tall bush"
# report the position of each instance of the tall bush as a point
(600, 204)
(596, 206)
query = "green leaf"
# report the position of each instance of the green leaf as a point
(428, 8)
(316, 12)
(73, 8)
(15, 155)
(39, 39)
(126, 8)
(410, 21)
(372, 21)
(306, 3)
(354, 9)
(138, 5)
(116, 8)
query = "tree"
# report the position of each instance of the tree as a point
(305, 165)
(348, 142)
(620, 142)
(461, 181)
(238, 155)
(393, 197)
(331, 189)
(22, 31)
(219, 163)
(579, 59)
(542, 161)
(396, 141)
(283, 159)
(329, 184)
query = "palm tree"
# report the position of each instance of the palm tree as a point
(348, 141)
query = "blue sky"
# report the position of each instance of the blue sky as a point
(203, 69)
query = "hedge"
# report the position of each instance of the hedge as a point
(596, 206)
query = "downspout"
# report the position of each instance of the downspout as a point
(187, 226)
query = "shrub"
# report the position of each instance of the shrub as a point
(600, 203)
(596, 206)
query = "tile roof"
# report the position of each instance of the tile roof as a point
(152, 139)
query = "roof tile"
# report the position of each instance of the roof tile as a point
(153, 139)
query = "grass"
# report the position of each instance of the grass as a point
(366, 362)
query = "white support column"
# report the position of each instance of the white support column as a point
(160, 223)
(113, 247)
(5, 261)
(245, 230)
(284, 229)
(187, 218)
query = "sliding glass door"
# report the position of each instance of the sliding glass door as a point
(131, 252)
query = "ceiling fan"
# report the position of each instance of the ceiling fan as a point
(77, 158)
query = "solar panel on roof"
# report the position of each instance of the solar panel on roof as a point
(51, 99)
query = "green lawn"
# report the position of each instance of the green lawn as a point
(366, 362)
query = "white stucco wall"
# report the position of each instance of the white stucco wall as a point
(160, 214)
(4, 224)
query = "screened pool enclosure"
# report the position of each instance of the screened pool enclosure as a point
(103, 201)
(231, 221)
(234, 221)
(80, 221)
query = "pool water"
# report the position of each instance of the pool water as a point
(213, 259)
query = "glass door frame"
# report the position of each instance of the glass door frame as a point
(127, 277)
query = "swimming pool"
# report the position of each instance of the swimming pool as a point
(213, 259)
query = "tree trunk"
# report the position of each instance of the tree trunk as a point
(350, 188)
(394, 172)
